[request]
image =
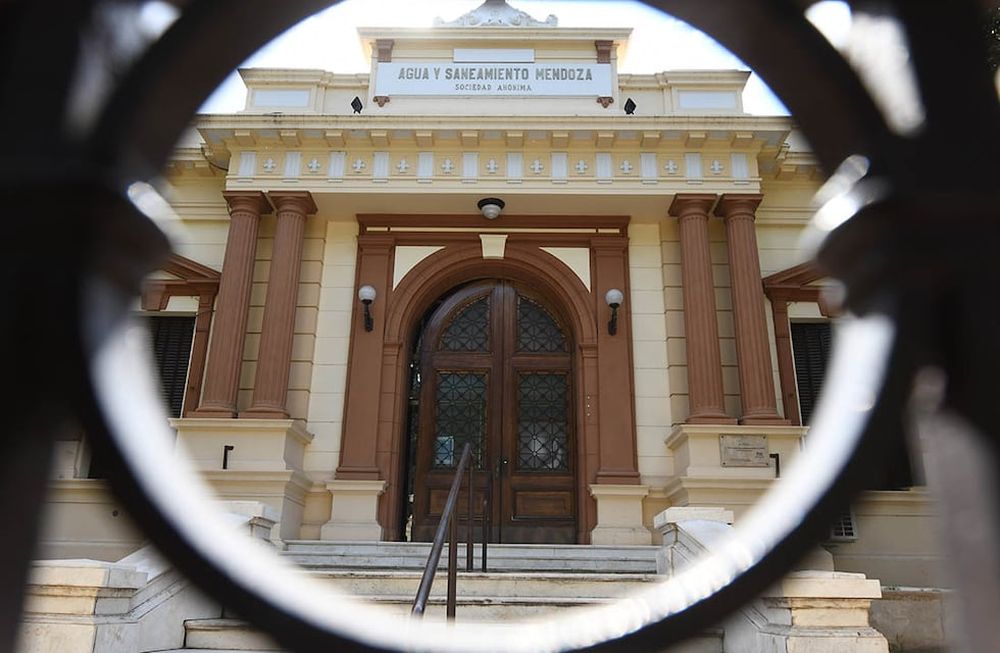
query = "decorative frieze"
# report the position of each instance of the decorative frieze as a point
(293, 165)
(560, 167)
(470, 167)
(515, 167)
(380, 167)
(338, 163)
(425, 166)
(571, 165)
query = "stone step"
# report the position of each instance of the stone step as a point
(225, 635)
(375, 583)
(501, 557)
(204, 635)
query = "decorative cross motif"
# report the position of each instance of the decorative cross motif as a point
(581, 166)
(448, 166)
(359, 165)
(671, 167)
(626, 166)
(537, 167)
(492, 166)
(716, 167)
(270, 165)
(314, 165)
(402, 166)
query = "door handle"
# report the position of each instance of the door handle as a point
(501, 464)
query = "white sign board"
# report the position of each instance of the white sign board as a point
(493, 79)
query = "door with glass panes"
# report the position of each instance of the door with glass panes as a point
(496, 371)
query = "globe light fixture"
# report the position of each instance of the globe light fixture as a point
(367, 295)
(614, 299)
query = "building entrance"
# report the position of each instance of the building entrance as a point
(495, 370)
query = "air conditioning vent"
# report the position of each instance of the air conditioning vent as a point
(844, 528)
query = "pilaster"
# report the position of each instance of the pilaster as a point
(616, 412)
(229, 329)
(359, 449)
(275, 355)
(753, 353)
(701, 325)
(353, 511)
(619, 515)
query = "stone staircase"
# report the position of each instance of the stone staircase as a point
(522, 581)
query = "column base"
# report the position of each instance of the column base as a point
(213, 412)
(764, 420)
(353, 511)
(619, 515)
(264, 412)
(719, 418)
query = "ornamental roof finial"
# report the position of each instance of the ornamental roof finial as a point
(496, 13)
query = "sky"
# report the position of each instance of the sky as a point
(329, 40)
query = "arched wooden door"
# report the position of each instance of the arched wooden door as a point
(496, 371)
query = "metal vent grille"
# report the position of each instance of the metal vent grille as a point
(844, 529)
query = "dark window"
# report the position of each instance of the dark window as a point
(811, 342)
(171, 337)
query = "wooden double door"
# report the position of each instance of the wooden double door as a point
(496, 371)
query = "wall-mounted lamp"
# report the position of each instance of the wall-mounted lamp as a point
(367, 295)
(357, 105)
(614, 299)
(630, 106)
(491, 207)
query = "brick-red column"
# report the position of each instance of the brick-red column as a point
(618, 452)
(274, 359)
(786, 360)
(701, 324)
(199, 352)
(229, 328)
(359, 447)
(753, 354)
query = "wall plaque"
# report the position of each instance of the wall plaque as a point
(493, 79)
(744, 450)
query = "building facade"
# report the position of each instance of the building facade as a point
(635, 330)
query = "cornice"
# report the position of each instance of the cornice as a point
(736, 122)
(539, 35)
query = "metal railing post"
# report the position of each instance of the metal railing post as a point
(487, 516)
(469, 530)
(452, 567)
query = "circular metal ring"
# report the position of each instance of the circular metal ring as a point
(170, 509)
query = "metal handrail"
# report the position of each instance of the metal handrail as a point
(449, 524)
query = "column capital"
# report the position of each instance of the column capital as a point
(692, 203)
(732, 205)
(292, 200)
(247, 200)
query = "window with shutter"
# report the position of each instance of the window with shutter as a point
(811, 345)
(171, 337)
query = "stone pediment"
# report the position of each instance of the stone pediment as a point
(179, 276)
(497, 13)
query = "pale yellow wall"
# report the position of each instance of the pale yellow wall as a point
(202, 220)
(649, 347)
(899, 539)
(329, 369)
(82, 519)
